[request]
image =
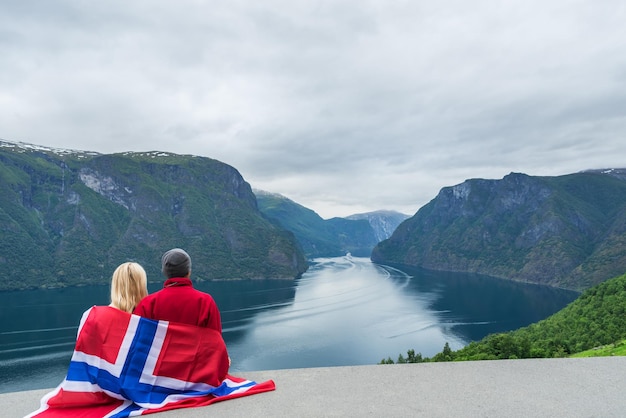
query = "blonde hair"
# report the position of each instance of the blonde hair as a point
(129, 285)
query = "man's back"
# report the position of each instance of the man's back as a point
(178, 301)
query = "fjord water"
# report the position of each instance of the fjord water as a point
(342, 311)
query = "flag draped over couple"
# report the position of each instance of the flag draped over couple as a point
(125, 365)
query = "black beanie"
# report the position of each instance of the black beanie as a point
(176, 263)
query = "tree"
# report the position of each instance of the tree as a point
(445, 355)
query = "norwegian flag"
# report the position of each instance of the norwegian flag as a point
(125, 365)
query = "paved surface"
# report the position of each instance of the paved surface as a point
(555, 388)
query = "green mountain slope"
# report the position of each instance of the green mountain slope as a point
(567, 231)
(68, 218)
(596, 318)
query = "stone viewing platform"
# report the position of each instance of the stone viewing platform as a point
(588, 387)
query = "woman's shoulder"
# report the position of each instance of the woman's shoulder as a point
(101, 312)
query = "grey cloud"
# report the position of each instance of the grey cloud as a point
(342, 106)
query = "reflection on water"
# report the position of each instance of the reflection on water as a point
(359, 314)
(472, 306)
(343, 311)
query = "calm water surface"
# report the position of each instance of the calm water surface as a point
(343, 311)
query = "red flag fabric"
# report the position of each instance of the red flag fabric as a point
(125, 365)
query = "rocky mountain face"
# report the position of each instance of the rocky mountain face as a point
(383, 222)
(566, 231)
(69, 218)
(357, 234)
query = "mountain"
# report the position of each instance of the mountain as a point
(565, 231)
(331, 237)
(384, 222)
(70, 217)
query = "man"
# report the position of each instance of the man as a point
(178, 301)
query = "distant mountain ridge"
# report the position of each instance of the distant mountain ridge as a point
(355, 234)
(383, 222)
(565, 231)
(70, 217)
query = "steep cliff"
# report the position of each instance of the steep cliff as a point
(383, 222)
(566, 231)
(68, 218)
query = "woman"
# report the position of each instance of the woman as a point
(129, 285)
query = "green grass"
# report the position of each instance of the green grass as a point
(617, 349)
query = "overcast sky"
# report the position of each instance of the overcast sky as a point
(342, 106)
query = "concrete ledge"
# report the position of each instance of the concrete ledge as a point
(591, 387)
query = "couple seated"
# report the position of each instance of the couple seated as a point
(144, 353)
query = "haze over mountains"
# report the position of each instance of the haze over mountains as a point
(357, 234)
